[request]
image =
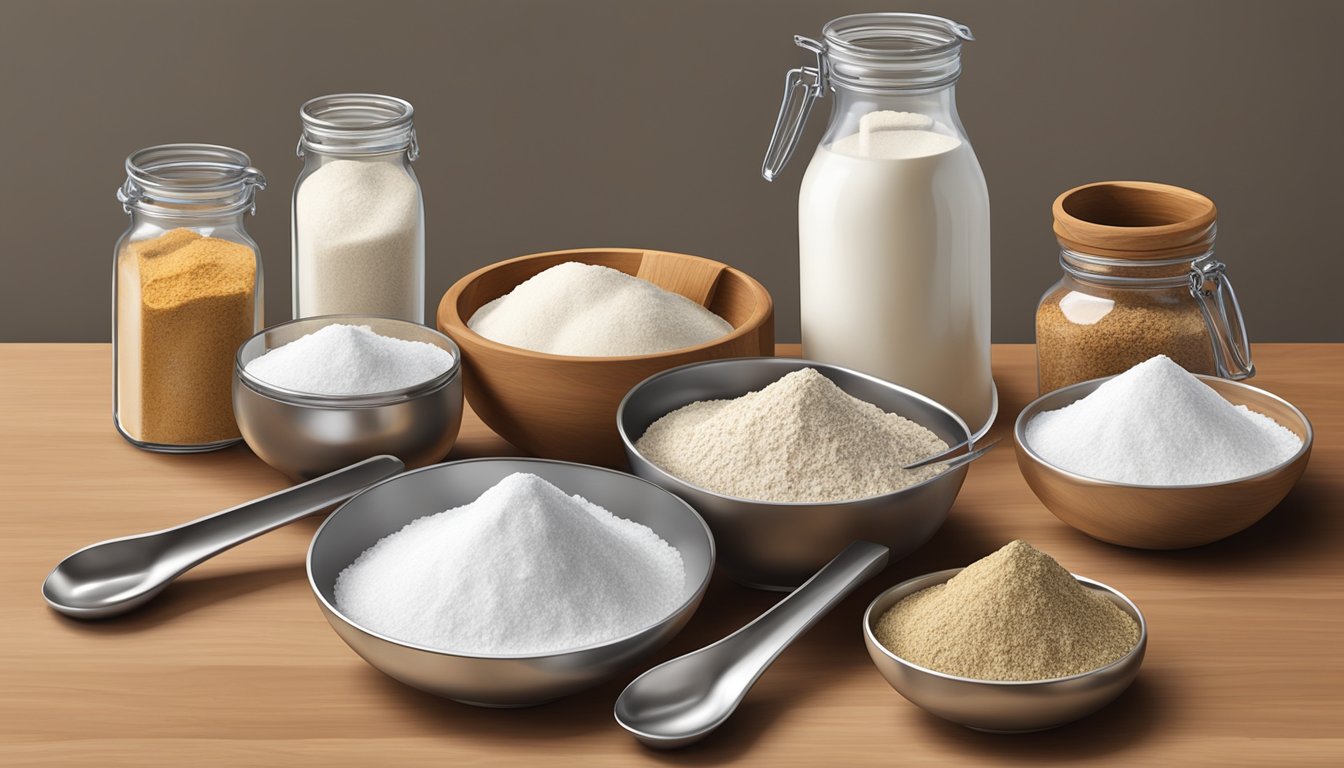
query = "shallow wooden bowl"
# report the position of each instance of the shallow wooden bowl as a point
(563, 407)
(1163, 517)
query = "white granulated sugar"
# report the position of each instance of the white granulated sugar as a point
(359, 233)
(349, 360)
(594, 311)
(1156, 424)
(524, 569)
(801, 438)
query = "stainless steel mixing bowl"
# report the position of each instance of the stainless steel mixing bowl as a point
(779, 545)
(503, 680)
(1002, 706)
(306, 435)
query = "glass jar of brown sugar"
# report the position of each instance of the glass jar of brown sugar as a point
(186, 287)
(1140, 279)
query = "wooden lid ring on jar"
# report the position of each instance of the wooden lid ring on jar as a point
(1134, 220)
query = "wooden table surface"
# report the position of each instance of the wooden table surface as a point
(234, 665)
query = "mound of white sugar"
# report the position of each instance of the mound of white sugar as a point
(589, 310)
(524, 569)
(801, 438)
(1156, 424)
(349, 360)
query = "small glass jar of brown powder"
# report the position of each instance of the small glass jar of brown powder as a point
(187, 294)
(1140, 279)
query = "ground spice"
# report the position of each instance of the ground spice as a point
(1103, 332)
(185, 305)
(1014, 615)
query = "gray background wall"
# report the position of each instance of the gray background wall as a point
(549, 125)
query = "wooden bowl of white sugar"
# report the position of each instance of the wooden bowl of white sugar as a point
(563, 406)
(1170, 511)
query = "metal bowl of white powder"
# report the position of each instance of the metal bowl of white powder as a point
(317, 394)
(480, 543)
(780, 544)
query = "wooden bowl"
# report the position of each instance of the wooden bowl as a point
(1163, 517)
(564, 407)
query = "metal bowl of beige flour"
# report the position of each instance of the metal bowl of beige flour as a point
(779, 545)
(504, 680)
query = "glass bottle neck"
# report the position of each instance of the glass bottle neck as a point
(849, 107)
(358, 125)
(200, 217)
(189, 182)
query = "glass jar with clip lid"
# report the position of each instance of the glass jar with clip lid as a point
(187, 292)
(1140, 279)
(893, 211)
(358, 217)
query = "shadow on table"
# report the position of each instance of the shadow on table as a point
(1293, 532)
(1122, 724)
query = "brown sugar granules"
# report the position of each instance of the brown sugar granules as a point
(1100, 341)
(1014, 615)
(185, 305)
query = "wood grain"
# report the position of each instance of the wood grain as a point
(235, 666)
(1134, 220)
(694, 278)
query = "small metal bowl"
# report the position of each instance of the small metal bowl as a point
(1002, 706)
(779, 545)
(503, 680)
(306, 435)
(1163, 516)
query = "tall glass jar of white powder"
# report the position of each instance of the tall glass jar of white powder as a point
(893, 214)
(359, 219)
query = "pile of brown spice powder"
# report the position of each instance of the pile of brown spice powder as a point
(1014, 615)
(190, 302)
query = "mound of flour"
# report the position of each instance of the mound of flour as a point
(801, 438)
(593, 311)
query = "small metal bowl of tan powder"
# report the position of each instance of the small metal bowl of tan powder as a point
(792, 460)
(1010, 644)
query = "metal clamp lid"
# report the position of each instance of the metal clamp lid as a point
(1217, 300)
(802, 87)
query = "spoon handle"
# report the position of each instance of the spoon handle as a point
(765, 638)
(954, 453)
(200, 540)
(967, 458)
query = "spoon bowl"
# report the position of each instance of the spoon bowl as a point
(681, 701)
(117, 576)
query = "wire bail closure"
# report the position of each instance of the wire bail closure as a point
(803, 86)
(1217, 300)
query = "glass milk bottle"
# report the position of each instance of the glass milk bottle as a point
(359, 219)
(893, 213)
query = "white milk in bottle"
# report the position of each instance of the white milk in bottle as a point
(893, 213)
(893, 239)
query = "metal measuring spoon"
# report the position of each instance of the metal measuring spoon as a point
(116, 576)
(954, 457)
(683, 700)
